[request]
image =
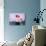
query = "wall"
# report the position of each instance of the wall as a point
(29, 7)
(43, 6)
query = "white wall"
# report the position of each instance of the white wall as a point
(43, 6)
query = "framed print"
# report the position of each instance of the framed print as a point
(17, 19)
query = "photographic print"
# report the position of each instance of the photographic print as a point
(17, 19)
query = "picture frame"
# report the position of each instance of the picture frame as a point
(17, 19)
